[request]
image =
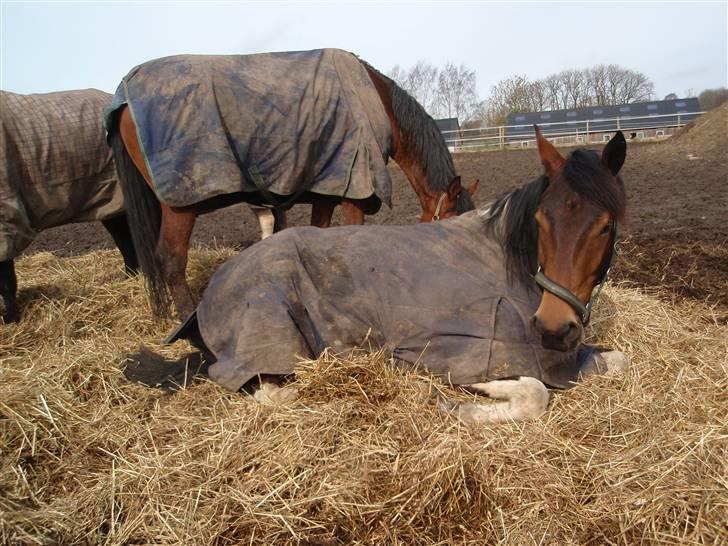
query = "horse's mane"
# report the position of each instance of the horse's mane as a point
(422, 136)
(510, 219)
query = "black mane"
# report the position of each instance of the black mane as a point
(421, 135)
(511, 217)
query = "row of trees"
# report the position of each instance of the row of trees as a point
(452, 92)
(449, 92)
(601, 85)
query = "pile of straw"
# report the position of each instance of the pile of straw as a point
(363, 457)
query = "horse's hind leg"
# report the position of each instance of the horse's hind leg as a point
(270, 392)
(8, 291)
(322, 209)
(172, 249)
(118, 228)
(521, 399)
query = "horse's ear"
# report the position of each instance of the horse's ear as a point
(550, 157)
(473, 187)
(614, 153)
(454, 188)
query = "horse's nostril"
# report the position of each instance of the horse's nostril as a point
(537, 324)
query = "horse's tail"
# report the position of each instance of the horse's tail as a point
(145, 218)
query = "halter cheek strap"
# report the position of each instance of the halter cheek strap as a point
(436, 216)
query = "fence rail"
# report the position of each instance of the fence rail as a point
(566, 132)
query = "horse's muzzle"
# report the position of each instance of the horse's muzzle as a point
(566, 338)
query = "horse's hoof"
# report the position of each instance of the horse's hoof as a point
(617, 362)
(12, 315)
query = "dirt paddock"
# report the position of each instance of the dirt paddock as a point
(675, 239)
(364, 456)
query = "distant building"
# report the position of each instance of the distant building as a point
(450, 129)
(657, 118)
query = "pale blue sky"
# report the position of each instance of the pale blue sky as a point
(54, 46)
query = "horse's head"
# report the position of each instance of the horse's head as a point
(576, 221)
(451, 202)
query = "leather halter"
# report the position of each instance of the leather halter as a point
(584, 311)
(436, 216)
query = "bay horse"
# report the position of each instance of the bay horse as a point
(495, 300)
(162, 223)
(55, 169)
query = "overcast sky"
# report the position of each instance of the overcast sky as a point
(56, 45)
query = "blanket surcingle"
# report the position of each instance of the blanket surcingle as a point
(274, 123)
(55, 166)
(435, 294)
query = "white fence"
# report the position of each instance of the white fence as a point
(566, 132)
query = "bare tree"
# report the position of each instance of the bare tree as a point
(710, 98)
(456, 92)
(509, 95)
(420, 81)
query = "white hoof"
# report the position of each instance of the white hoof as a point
(272, 394)
(522, 399)
(617, 362)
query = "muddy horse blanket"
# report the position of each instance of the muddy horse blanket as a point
(55, 165)
(435, 294)
(274, 123)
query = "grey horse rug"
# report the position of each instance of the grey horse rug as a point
(434, 294)
(274, 123)
(55, 165)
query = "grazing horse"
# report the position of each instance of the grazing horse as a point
(195, 133)
(55, 168)
(494, 300)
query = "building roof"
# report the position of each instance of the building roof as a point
(603, 118)
(447, 126)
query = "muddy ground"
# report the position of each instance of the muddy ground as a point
(675, 238)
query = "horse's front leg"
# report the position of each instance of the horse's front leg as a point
(519, 400)
(172, 249)
(595, 362)
(8, 291)
(353, 213)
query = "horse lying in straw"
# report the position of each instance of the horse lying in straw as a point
(494, 300)
(193, 133)
(55, 168)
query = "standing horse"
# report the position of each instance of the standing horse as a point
(479, 300)
(195, 133)
(55, 168)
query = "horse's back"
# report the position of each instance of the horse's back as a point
(55, 166)
(275, 123)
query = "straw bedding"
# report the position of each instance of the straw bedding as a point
(363, 457)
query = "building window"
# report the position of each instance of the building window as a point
(545, 116)
(624, 109)
(520, 118)
(570, 114)
(652, 107)
(598, 111)
(680, 104)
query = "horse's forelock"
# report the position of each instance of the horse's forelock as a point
(587, 176)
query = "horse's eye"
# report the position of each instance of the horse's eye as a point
(606, 229)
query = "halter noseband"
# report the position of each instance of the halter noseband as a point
(584, 311)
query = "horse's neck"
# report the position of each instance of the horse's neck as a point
(400, 149)
(414, 172)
